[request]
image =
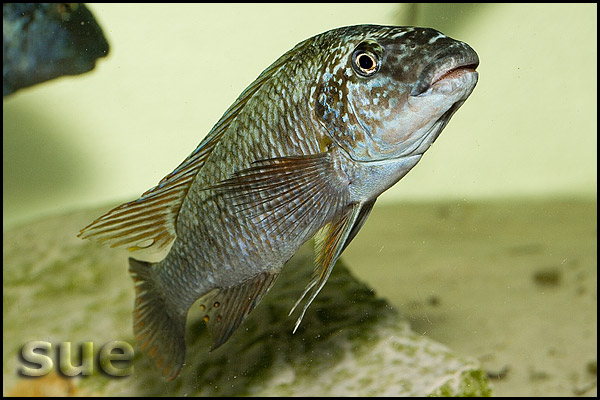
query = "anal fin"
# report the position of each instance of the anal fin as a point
(226, 308)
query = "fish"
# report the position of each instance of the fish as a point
(303, 153)
(44, 41)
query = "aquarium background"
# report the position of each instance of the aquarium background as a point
(528, 130)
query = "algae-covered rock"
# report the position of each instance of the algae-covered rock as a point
(58, 288)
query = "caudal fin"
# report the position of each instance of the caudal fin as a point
(159, 330)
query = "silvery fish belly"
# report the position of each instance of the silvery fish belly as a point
(303, 152)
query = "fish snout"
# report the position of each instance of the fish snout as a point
(450, 64)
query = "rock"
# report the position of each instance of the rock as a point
(58, 288)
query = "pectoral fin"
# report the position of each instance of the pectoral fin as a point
(285, 195)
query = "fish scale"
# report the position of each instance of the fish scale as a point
(302, 153)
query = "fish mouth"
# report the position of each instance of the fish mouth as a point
(446, 67)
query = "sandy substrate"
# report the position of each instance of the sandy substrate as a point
(511, 283)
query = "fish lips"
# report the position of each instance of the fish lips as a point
(445, 67)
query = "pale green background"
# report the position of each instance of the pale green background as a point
(529, 128)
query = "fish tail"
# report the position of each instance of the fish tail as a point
(159, 329)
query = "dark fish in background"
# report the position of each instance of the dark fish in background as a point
(43, 41)
(303, 152)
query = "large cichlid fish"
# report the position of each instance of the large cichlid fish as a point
(303, 152)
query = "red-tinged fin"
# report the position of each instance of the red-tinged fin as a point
(330, 241)
(283, 195)
(226, 308)
(159, 330)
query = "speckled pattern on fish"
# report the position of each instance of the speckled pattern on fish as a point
(303, 152)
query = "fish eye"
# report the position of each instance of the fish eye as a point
(365, 63)
(366, 58)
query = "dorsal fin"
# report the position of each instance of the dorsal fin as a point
(149, 222)
(225, 308)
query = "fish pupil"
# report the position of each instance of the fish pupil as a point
(366, 62)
